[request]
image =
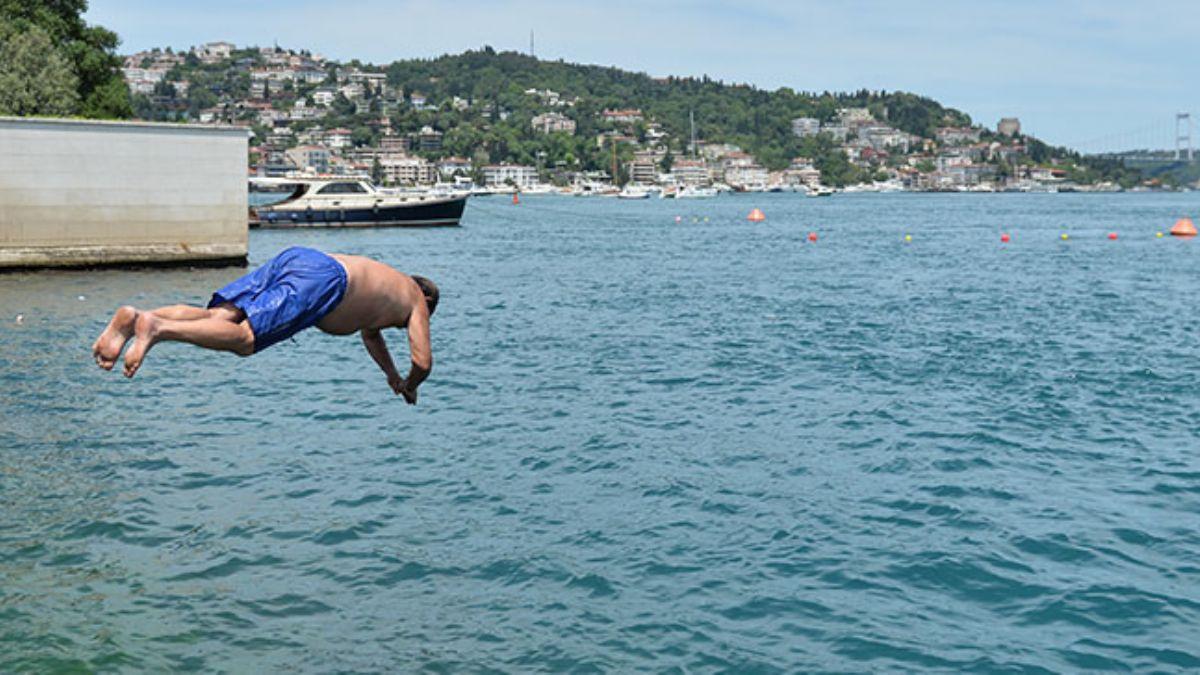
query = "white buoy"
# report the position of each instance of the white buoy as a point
(82, 298)
(20, 319)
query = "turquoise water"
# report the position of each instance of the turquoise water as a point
(696, 446)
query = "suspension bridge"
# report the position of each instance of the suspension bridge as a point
(1166, 141)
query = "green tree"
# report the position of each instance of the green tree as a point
(35, 78)
(91, 50)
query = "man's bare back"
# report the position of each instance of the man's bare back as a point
(377, 296)
(300, 287)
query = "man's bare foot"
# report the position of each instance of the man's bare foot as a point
(145, 334)
(108, 346)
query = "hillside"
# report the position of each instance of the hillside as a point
(484, 103)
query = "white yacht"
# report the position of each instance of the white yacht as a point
(352, 202)
(695, 192)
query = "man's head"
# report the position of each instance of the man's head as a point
(430, 290)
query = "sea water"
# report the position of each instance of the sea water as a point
(657, 436)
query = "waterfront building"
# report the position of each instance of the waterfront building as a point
(747, 176)
(802, 172)
(643, 169)
(1009, 126)
(553, 122)
(311, 157)
(691, 172)
(408, 171)
(450, 166)
(806, 126)
(1047, 174)
(505, 174)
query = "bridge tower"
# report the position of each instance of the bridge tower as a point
(1183, 134)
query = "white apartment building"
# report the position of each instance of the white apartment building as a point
(553, 122)
(408, 170)
(502, 174)
(690, 172)
(806, 126)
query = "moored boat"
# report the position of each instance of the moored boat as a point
(338, 202)
(633, 192)
(696, 192)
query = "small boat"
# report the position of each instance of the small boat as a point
(695, 192)
(820, 191)
(633, 192)
(341, 202)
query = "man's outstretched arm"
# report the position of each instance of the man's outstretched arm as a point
(376, 346)
(420, 351)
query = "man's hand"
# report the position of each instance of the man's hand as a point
(397, 383)
(400, 387)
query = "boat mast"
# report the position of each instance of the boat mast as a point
(614, 160)
(692, 118)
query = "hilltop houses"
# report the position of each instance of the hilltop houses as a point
(310, 114)
(553, 122)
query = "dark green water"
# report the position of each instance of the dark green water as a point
(685, 447)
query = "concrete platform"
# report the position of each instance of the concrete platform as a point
(81, 193)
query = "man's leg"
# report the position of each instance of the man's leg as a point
(182, 312)
(107, 348)
(217, 332)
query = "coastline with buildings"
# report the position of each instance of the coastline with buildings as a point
(311, 116)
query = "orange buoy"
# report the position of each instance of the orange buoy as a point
(1112, 235)
(516, 200)
(812, 236)
(1183, 228)
(1004, 238)
(756, 216)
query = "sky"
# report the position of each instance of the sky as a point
(1094, 75)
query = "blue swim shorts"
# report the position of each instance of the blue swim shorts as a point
(293, 291)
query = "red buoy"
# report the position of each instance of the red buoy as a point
(812, 236)
(1112, 236)
(516, 200)
(1004, 238)
(756, 216)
